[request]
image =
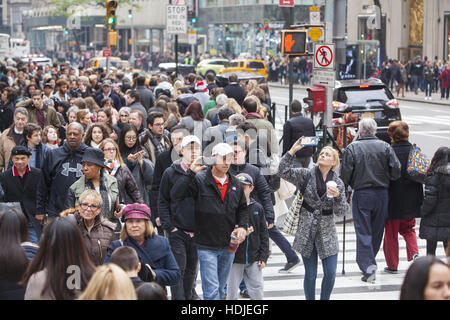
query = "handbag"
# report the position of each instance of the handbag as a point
(291, 222)
(418, 164)
(286, 189)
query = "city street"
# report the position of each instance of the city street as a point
(429, 123)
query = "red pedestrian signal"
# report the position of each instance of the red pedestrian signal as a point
(293, 42)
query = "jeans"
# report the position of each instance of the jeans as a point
(215, 266)
(32, 234)
(415, 82)
(445, 92)
(329, 266)
(283, 244)
(428, 87)
(370, 211)
(185, 252)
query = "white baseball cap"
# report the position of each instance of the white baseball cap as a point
(222, 149)
(189, 139)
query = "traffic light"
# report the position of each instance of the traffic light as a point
(66, 31)
(112, 35)
(192, 16)
(130, 13)
(293, 42)
(111, 6)
(194, 20)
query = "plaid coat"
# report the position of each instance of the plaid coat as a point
(315, 228)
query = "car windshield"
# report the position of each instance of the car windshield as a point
(358, 96)
(233, 64)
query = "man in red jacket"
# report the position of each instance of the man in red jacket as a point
(445, 82)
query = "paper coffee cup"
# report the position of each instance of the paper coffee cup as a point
(330, 184)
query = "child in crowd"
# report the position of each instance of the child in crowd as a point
(127, 258)
(252, 254)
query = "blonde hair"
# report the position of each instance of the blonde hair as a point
(149, 231)
(109, 140)
(335, 154)
(109, 282)
(232, 103)
(90, 194)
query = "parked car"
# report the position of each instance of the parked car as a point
(370, 98)
(183, 69)
(211, 65)
(100, 62)
(247, 65)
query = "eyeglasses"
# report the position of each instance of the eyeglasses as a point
(86, 206)
(109, 150)
(131, 138)
(124, 115)
(158, 125)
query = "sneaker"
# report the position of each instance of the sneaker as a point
(388, 270)
(368, 278)
(244, 294)
(289, 266)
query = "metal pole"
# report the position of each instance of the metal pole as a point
(132, 39)
(291, 64)
(344, 144)
(329, 19)
(176, 55)
(109, 48)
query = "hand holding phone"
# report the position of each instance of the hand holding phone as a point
(310, 141)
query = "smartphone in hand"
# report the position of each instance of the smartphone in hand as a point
(310, 141)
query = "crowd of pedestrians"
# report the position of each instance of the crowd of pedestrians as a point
(147, 183)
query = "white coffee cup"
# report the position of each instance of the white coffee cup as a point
(330, 184)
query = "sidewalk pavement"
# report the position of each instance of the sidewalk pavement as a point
(409, 96)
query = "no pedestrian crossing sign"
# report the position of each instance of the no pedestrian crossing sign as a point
(176, 20)
(324, 56)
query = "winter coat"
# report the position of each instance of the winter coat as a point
(175, 214)
(235, 91)
(142, 175)
(61, 169)
(428, 73)
(445, 79)
(150, 148)
(316, 223)
(41, 153)
(155, 252)
(405, 195)
(50, 116)
(369, 163)
(215, 219)
(128, 189)
(98, 239)
(23, 190)
(6, 116)
(6, 145)
(145, 96)
(295, 128)
(195, 126)
(78, 187)
(435, 222)
(256, 245)
(264, 128)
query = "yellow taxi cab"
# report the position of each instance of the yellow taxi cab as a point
(247, 65)
(100, 62)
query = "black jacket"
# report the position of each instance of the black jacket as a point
(6, 116)
(262, 192)
(128, 189)
(175, 214)
(215, 219)
(23, 191)
(145, 96)
(295, 128)
(163, 161)
(369, 163)
(256, 245)
(435, 223)
(405, 195)
(234, 90)
(41, 153)
(61, 168)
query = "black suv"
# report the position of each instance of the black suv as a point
(367, 98)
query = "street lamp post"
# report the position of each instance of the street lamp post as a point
(130, 15)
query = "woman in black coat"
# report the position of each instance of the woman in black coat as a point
(435, 224)
(128, 189)
(405, 201)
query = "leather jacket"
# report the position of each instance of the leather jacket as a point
(369, 163)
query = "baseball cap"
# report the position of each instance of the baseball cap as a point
(107, 83)
(245, 179)
(189, 139)
(136, 211)
(221, 149)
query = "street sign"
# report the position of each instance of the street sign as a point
(324, 78)
(176, 22)
(314, 15)
(286, 3)
(315, 33)
(192, 37)
(324, 56)
(293, 42)
(106, 52)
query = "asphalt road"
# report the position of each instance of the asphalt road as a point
(429, 123)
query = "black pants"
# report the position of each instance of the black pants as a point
(432, 245)
(185, 252)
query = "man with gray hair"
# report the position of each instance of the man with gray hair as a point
(12, 136)
(368, 165)
(221, 99)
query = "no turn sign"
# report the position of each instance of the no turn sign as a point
(324, 56)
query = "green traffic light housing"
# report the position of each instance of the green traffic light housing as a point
(111, 20)
(194, 20)
(66, 31)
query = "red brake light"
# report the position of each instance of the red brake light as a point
(365, 86)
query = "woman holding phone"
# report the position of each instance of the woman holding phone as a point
(323, 197)
(136, 159)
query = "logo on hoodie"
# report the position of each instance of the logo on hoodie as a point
(67, 168)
